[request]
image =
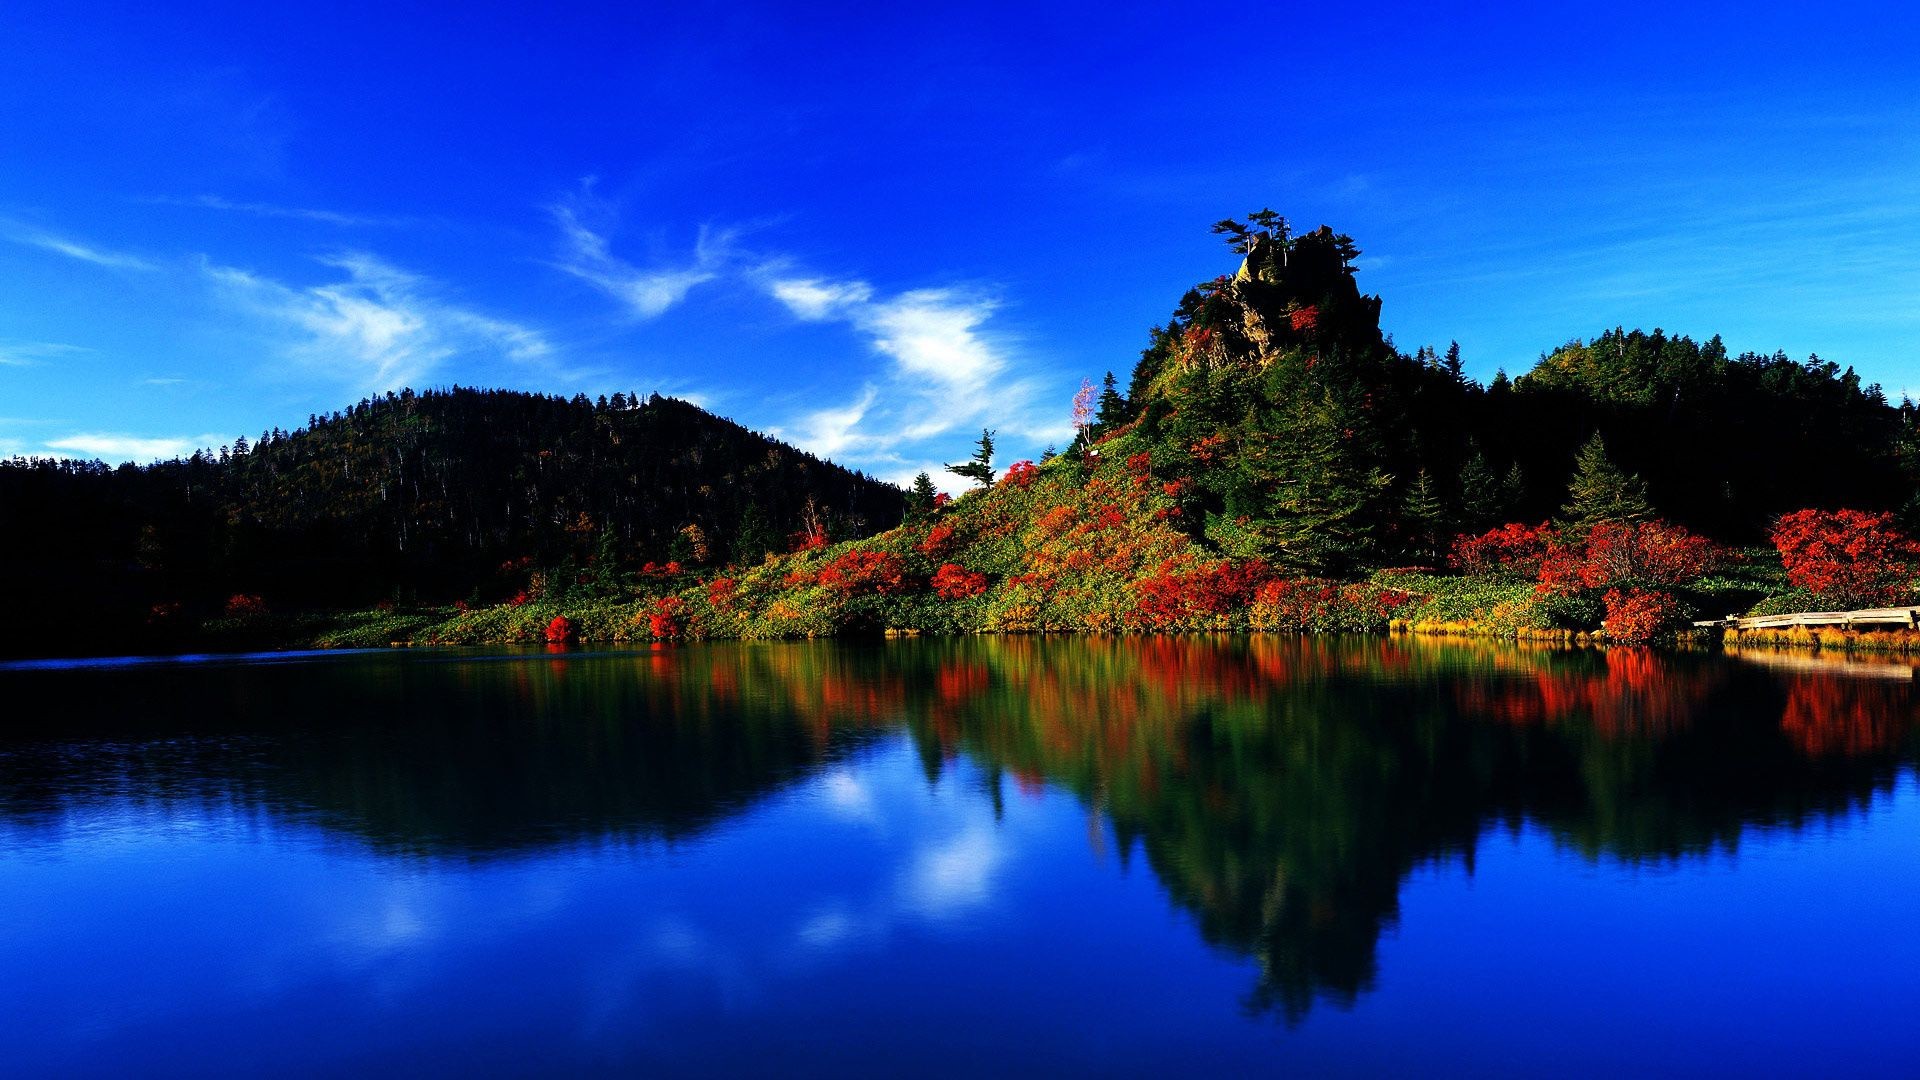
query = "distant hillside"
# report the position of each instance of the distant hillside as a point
(434, 496)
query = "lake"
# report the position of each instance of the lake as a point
(959, 857)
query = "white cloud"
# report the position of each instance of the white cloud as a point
(118, 446)
(588, 256)
(299, 213)
(385, 327)
(162, 381)
(947, 374)
(74, 249)
(31, 353)
(816, 300)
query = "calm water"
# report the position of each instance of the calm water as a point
(961, 857)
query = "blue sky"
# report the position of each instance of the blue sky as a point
(874, 229)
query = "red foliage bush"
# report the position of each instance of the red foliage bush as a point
(720, 592)
(1140, 464)
(1638, 616)
(560, 630)
(1306, 320)
(243, 604)
(1021, 474)
(1315, 605)
(668, 618)
(1172, 596)
(859, 572)
(939, 540)
(955, 582)
(1616, 554)
(1513, 548)
(1846, 556)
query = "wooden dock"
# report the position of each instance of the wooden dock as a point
(1907, 618)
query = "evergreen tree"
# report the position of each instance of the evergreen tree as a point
(1455, 367)
(1425, 519)
(979, 468)
(1322, 513)
(1113, 407)
(1601, 491)
(755, 536)
(1481, 504)
(1513, 491)
(920, 498)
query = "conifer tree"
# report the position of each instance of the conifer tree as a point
(1480, 501)
(1601, 491)
(1425, 518)
(920, 498)
(1323, 511)
(1113, 407)
(978, 468)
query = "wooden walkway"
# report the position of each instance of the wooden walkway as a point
(1897, 617)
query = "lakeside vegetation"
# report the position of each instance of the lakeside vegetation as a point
(1275, 464)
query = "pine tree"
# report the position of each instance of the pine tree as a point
(1113, 407)
(1601, 491)
(1480, 501)
(979, 468)
(920, 498)
(1425, 518)
(1322, 514)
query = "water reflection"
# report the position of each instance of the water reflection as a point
(1280, 790)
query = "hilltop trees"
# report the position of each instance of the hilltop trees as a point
(978, 468)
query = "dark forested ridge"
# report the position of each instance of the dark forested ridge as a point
(417, 496)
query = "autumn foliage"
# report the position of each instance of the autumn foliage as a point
(1639, 616)
(955, 582)
(1617, 554)
(1846, 557)
(1021, 473)
(1514, 549)
(560, 630)
(862, 572)
(244, 604)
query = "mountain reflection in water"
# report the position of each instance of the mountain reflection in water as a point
(1281, 790)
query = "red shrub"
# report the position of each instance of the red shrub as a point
(1173, 596)
(560, 630)
(1306, 320)
(1614, 554)
(939, 540)
(668, 618)
(1846, 556)
(1021, 474)
(519, 599)
(954, 582)
(1313, 605)
(242, 604)
(720, 592)
(1638, 616)
(1514, 548)
(859, 572)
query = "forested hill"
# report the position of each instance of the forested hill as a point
(1306, 439)
(424, 496)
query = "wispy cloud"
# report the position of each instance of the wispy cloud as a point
(74, 249)
(646, 291)
(297, 213)
(32, 353)
(947, 372)
(381, 325)
(162, 380)
(119, 446)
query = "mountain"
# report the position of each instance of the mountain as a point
(431, 497)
